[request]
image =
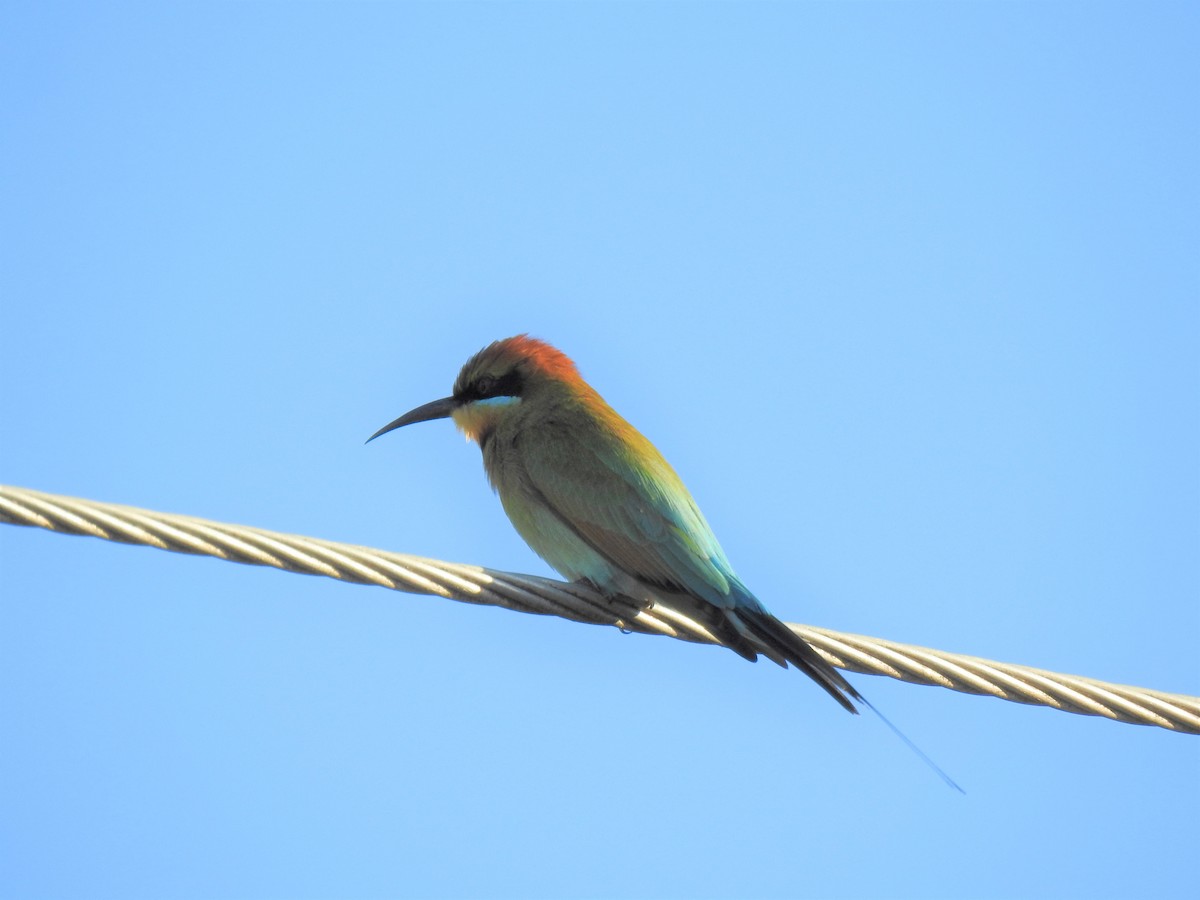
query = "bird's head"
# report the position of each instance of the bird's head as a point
(493, 383)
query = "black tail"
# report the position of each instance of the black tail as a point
(761, 631)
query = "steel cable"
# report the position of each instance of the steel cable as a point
(527, 593)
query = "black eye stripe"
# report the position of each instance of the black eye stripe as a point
(486, 386)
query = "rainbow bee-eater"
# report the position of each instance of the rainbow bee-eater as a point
(600, 504)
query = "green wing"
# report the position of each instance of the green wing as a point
(615, 491)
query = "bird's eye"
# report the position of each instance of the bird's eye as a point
(485, 385)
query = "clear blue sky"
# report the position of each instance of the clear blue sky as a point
(908, 293)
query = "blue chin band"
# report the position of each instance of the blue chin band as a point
(496, 401)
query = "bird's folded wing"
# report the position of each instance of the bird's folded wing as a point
(625, 500)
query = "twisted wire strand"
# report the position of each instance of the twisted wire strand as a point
(543, 596)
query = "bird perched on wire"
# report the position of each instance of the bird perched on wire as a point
(599, 503)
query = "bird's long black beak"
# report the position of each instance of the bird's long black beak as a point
(438, 409)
